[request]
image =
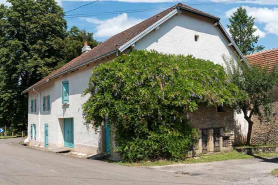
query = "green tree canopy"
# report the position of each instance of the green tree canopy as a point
(145, 97)
(242, 31)
(31, 40)
(257, 82)
(75, 42)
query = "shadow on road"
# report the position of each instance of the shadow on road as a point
(269, 160)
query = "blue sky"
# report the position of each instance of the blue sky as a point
(104, 26)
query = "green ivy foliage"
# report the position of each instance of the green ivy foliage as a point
(146, 96)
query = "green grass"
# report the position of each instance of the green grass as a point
(256, 146)
(275, 172)
(204, 158)
(8, 137)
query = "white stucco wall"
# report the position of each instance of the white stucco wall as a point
(177, 36)
(83, 135)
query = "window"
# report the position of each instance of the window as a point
(220, 109)
(65, 92)
(46, 103)
(196, 38)
(32, 105)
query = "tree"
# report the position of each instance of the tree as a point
(145, 97)
(31, 46)
(257, 82)
(242, 31)
(75, 42)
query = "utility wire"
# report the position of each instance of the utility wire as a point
(132, 11)
(82, 6)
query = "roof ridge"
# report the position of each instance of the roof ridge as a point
(261, 52)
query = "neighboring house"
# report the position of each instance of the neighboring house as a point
(266, 131)
(55, 116)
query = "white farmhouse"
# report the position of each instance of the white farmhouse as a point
(55, 116)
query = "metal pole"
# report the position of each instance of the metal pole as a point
(5, 131)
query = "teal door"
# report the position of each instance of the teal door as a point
(68, 133)
(46, 135)
(107, 138)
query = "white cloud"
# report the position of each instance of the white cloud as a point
(259, 33)
(261, 2)
(265, 16)
(59, 2)
(135, 1)
(112, 26)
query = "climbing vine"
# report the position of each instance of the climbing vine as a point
(146, 96)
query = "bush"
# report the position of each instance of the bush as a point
(145, 97)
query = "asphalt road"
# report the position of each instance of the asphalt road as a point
(24, 165)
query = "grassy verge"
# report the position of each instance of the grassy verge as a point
(202, 159)
(8, 137)
(256, 146)
(275, 172)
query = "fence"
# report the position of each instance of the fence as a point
(11, 133)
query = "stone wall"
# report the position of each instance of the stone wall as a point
(265, 132)
(208, 121)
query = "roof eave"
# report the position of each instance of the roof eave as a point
(148, 30)
(234, 44)
(69, 70)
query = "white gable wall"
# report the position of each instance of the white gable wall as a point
(177, 36)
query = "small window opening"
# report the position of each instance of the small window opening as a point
(220, 109)
(196, 38)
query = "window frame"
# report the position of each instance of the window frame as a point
(65, 99)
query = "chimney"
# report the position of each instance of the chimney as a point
(86, 48)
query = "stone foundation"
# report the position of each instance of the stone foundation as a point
(215, 129)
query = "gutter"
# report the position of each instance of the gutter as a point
(76, 67)
(234, 44)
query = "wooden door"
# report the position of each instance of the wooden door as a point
(68, 133)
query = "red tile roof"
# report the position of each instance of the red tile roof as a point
(112, 45)
(267, 58)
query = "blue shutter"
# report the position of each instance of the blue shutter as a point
(48, 102)
(31, 131)
(44, 103)
(35, 110)
(32, 104)
(65, 92)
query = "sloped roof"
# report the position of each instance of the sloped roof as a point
(112, 45)
(267, 58)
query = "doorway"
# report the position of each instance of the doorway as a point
(46, 135)
(68, 133)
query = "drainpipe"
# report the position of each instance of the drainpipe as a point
(39, 105)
